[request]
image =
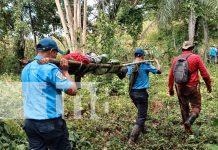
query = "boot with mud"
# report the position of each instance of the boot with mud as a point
(134, 134)
(188, 129)
(191, 120)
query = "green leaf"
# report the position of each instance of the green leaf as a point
(20, 147)
(215, 122)
(211, 146)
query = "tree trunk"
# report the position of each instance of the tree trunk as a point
(174, 39)
(70, 23)
(19, 40)
(20, 49)
(191, 26)
(206, 38)
(103, 5)
(63, 22)
(79, 28)
(84, 26)
(32, 23)
(75, 23)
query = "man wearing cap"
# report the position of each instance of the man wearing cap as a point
(42, 85)
(139, 83)
(190, 91)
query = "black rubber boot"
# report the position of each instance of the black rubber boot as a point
(191, 120)
(134, 134)
(144, 130)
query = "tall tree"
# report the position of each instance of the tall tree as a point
(84, 26)
(20, 20)
(72, 22)
(170, 9)
(63, 22)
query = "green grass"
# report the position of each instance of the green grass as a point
(111, 128)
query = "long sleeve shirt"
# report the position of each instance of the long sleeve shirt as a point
(195, 64)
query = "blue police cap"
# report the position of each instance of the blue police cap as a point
(139, 52)
(46, 44)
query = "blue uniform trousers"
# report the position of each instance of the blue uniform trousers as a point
(47, 134)
(140, 99)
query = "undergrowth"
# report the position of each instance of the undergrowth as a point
(108, 124)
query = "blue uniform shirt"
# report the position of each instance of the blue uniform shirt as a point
(213, 51)
(41, 87)
(142, 80)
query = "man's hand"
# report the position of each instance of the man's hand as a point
(43, 61)
(171, 92)
(64, 65)
(158, 65)
(209, 89)
(23, 61)
(207, 81)
(156, 61)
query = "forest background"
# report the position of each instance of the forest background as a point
(114, 27)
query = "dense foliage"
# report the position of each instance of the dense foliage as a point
(110, 129)
(115, 27)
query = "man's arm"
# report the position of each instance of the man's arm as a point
(205, 75)
(64, 68)
(171, 80)
(158, 66)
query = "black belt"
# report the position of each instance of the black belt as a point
(45, 120)
(138, 90)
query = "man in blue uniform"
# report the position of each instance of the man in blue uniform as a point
(213, 52)
(42, 85)
(139, 83)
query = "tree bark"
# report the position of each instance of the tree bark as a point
(70, 23)
(75, 22)
(206, 38)
(174, 39)
(79, 28)
(32, 23)
(63, 22)
(84, 26)
(103, 5)
(20, 49)
(191, 26)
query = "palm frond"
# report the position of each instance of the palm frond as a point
(166, 11)
(211, 4)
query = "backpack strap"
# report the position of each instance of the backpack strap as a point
(133, 76)
(187, 56)
(180, 56)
